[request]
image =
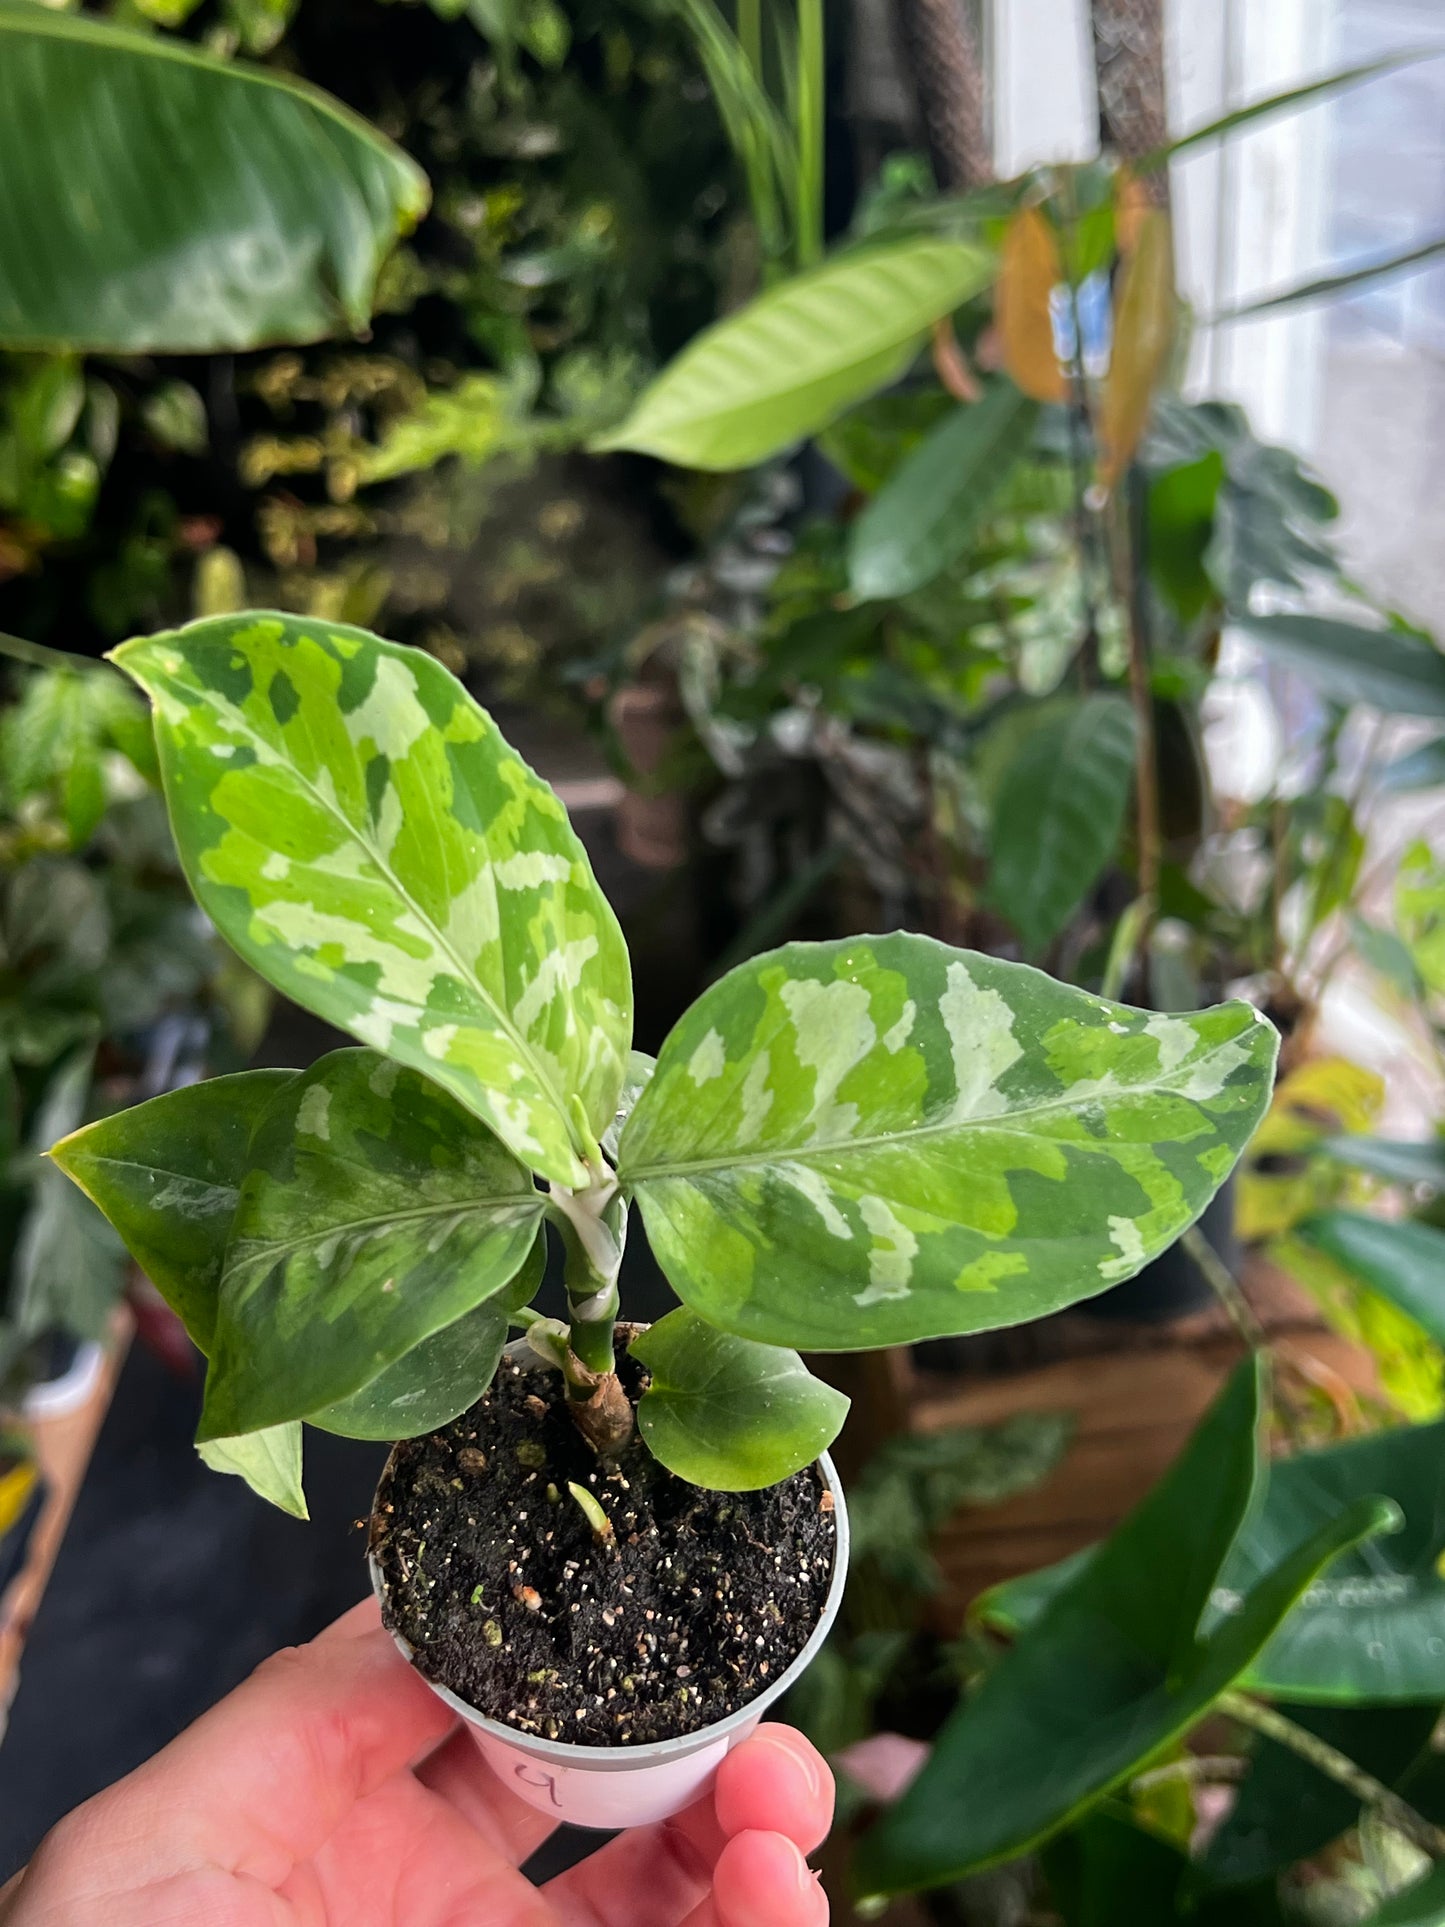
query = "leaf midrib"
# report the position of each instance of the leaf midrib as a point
(286, 1248)
(1005, 1121)
(465, 971)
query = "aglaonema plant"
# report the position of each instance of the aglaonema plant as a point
(840, 1145)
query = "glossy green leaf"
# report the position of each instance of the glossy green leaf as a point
(1380, 267)
(1401, 1259)
(155, 198)
(882, 1139)
(1110, 1871)
(358, 830)
(921, 519)
(429, 1385)
(798, 355)
(1287, 1809)
(1395, 670)
(167, 1174)
(724, 1413)
(1113, 1671)
(269, 1462)
(1058, 814)
(1371, 1630)
(1397, 1161)
(375, 1212)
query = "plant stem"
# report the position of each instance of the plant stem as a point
(40, 656)
(592, 1224)
(1225, 1286)
(750, 34)
(1146, 765)
(809, 133)
(1338, 1767)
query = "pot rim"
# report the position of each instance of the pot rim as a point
(617, 1759)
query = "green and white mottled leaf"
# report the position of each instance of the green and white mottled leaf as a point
(356, 827)
(269, 1462)
(1058, 813)
(429, 1385)
(156, 198)
(1403, 1260)
(727, 1414)
(881, 1140)
(375, 1212)
(921, 519)
(1113, 1671)
(797, 356)
(167, 1174)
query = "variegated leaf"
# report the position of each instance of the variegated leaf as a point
(375, 1212)
(355, 825)
(444, 1374)
(167, 1174)
(881, 1140)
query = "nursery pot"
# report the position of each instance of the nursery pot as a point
(629, 1786)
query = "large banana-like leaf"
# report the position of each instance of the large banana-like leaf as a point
(356, 827)
(154, 198)
(883, 1139)
(1057, 815)
(921, 519)
(167, 1174)
(375, 1212)
(801, 353)
(1115, 1668)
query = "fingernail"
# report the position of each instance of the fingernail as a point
(807, 1763)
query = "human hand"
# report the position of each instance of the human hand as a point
(334, 1789)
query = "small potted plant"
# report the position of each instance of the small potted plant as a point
(608, 1547)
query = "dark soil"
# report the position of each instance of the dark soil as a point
(495, 1578)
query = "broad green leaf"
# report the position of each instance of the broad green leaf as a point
(154, 198)
(1288, 1810)
(167, 1174)
(1110, 1871)
(429, 1385)
(882, 1139)
(1417, 769)
(798, 355)
(269, 1462)
(1057, 817)
(356, 827)
(921, 519)
(375, 1212)
(1115, 1669)
(1397, 1161)
(1391, 669)
(724, 1413)
(1371, 1630)
(1401, 1259)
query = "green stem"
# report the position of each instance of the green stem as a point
(1338, 1767)
(810, 132)
(40, 656)
(750, 34)
(592, 1225)
(1225, 1286)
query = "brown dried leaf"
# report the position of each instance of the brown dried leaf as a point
(1030, 271)
(1143, 330)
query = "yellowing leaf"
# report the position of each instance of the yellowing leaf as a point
(1143, 330)
(1030, 272)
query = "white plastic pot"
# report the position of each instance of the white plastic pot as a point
(632, 1786)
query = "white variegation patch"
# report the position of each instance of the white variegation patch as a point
(811, 1185)
(1125, 1234)
(833, 1031)
(391, 718)
(707, 1060)
(530, 869)
(313, 1113)
(980, 1029)
(890, 1260)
